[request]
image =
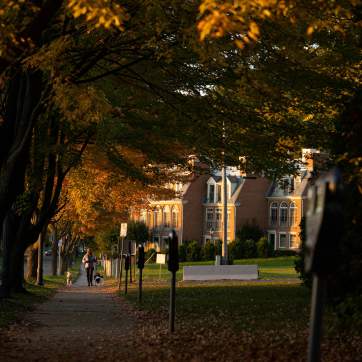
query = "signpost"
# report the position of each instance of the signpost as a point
(324, 229)
(122, 235)
(173, 267)
(60, 243)
(160, 259)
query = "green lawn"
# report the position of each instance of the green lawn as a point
(270, 268)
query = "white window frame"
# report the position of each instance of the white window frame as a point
(211, 182)
(281, 206)
(275, 238)
(270, 213)
(286, 238)
(174, 211)
(293, 221)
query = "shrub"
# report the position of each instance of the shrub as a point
(263, 247)
(194, 251)
(209, 251)
(249, 248)
(299, 262)
(182, 251)
(249, 232)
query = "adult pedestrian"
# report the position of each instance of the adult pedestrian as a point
(89, 262)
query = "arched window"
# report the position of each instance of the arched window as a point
(166, 216)
(155, 217)
(143, 216)
(174, 217)
(293, 214)
(283, 214)
(273, 213)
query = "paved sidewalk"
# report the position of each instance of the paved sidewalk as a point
(80, 323)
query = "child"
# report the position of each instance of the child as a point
(98, 278)
(69, 279)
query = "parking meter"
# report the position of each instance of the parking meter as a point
(127, 262)
(324, 228)
(173, 264)
(126, 267)
(324, 223)
(141, 257)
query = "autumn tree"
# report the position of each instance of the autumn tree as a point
(301, 62)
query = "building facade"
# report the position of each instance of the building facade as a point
(197, 212)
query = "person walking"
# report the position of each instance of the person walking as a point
(89, 262)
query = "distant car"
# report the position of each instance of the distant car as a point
(48, 253)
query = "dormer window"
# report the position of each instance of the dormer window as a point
(287, 184)
(218, 193)
(211, 195)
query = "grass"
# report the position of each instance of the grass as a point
(249, 306)
(275, 300)
(280, 268)
(11, 309)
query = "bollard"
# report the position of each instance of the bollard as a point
(141, 265)
(173, 267)
(324, 230)
(126, 267)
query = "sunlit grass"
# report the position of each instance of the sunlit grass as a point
(269, 268)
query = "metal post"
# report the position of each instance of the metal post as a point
(59, 260)
(140, 287)
(126, 283)
(121, 261)
(225, 218)
(172, 302)
(130, 261)
(318, 294)
(118, 269)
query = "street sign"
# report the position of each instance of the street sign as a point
(161, 259)
(123, 231)
(60, 243)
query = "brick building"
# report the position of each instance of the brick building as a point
(197, 212)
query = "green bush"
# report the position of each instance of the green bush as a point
(299, 262)
(249, 232)
(209, 251)
(194, 251)
(249, 248)
(137, 231)
(182, 251)
(262, 247)
(218, 247)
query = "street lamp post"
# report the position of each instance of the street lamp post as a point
(225, 218)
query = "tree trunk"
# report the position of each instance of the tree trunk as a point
(32, 262)
(65, 264)
(12, 274)
(54, 257)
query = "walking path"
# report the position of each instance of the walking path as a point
(80, 323)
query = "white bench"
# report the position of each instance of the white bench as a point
(221, 272)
